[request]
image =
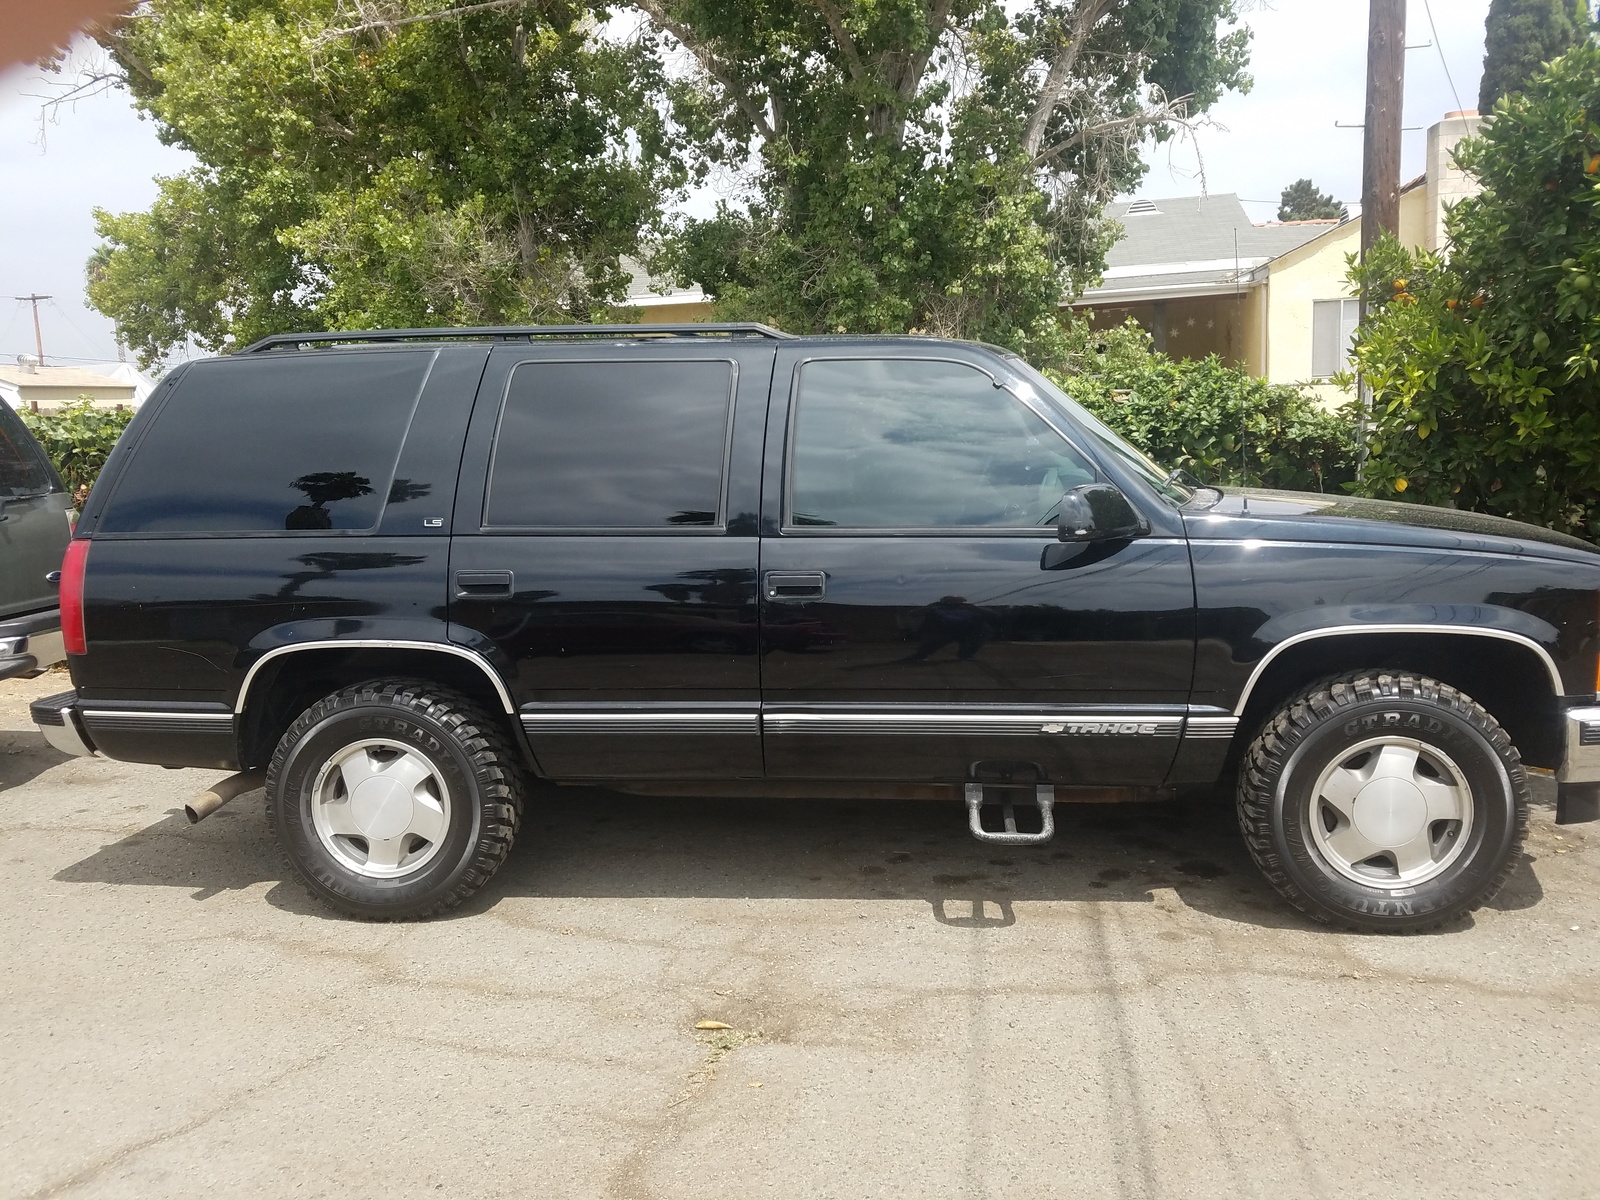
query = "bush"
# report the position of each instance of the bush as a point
(1485, 370)
(1217, 422)
(78, 439)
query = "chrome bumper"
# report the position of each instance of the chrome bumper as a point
(30, 644)
(57, 718)
(1581, 762)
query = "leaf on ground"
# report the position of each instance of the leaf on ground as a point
(711, 1025)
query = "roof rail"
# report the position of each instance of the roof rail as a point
(516, 333)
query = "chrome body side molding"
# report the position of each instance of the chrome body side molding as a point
(644, 717)
(1356, 630)
(471, 656)
(989, 720)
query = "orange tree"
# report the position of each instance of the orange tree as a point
(1485, 368)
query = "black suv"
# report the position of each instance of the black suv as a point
(34, 528)
(404, 571)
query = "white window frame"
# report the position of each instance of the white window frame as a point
(1333, 328)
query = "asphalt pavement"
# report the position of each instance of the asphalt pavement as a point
(1127, 1012)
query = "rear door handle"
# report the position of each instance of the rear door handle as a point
(795, 587)
(484, 583)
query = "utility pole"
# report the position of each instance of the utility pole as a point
(1386, 79)
(38, 338)
(1380, 153)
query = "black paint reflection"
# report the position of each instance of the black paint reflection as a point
(323, 488)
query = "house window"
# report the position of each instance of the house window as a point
(1333, 326)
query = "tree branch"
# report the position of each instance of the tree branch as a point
(847, 45)
(1170, 110)
(938, 21)
(390, 23)
(711, 65)
(1060, 72)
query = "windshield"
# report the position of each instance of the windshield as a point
(1108, 438)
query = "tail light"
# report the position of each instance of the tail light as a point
(72, 566)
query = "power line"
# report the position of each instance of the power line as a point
(87, 340)
(1437, 45)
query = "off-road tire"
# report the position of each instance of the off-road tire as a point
(1284, 762)
(467, 747)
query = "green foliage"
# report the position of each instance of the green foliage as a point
(78, 439)
(935, 166)
(1301, 201)
(1217, 422)
(1520, 36)
(1485, 370)
(489, 166)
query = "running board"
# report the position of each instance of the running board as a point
(1044, 795)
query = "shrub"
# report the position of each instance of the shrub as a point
(1485, 370)
(1217, 422)
(78, 439)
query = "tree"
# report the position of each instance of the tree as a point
(490, 166)
(1520, 36)
(1301, 201)
(1485, 370)
(932, 164)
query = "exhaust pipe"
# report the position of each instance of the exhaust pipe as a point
(220, 792)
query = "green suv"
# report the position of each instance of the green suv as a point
(35, 526)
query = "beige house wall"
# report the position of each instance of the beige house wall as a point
(1295, 281)
(1416, 226)
(48, 399)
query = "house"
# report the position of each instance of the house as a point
(1203, 278)
(1273, 298)
(665, 304)
(43, 388)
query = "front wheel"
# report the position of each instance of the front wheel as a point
(394, 799)
(1384, 801)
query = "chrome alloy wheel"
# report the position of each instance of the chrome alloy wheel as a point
(1391, 812)
(381, 808)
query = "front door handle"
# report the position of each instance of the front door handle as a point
(795, 587)
(484, 583)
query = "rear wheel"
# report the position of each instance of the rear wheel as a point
(394, 799)
(1384, 801)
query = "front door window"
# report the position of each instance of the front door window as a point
(922, 444)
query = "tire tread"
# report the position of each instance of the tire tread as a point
(481, 740)
(1267, 756)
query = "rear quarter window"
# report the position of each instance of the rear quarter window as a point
(300, 444)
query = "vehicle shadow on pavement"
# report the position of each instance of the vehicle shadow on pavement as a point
(25, 755)
(581, 842)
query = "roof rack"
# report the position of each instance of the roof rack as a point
(517, 333)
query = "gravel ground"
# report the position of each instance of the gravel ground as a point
(1129, 1012)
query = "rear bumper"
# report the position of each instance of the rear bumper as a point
(57, 718)
(30, 644)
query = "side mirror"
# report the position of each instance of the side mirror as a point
(1098, 512)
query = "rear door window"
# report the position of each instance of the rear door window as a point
(24, 469)
(612, 446)
(303, 444)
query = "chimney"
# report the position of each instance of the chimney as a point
(1447, 185)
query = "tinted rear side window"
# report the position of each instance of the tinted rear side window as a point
(24, 470)
(254, 445)
(590, 445)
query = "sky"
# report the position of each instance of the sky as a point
(1308, 60)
